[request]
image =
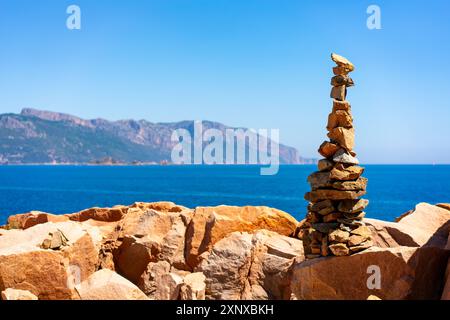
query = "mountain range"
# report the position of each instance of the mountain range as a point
(45, 137)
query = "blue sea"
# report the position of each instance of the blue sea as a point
(392, 189)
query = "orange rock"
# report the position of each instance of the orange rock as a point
(405, 273)
(108, 285)
(339, 118)
(343, 173)
(343, 137)
(328, 149)
(48, 274)
(341, 105)
(100, 214)
(30, 219)
(324, 194)
(210, 224)
(338, 93)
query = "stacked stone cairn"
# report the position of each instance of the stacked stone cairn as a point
(334, 223)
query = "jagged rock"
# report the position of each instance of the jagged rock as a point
(339, 249)
(356, 240)
(331, 217)
(342, 173)
(343, 157)
(338, 236)
(341, 105)
(406, 273)
(338, 93)
(339, 118)
(325, 165)
(328, 149)
(168, 286)
(148, 280)
(342, 62)
(352, 206)
(108, 285)
(319, 180)
(148, 236)
(48, 274)
(30, 219)
(15, 294)
(363, 231)
(99, 214)
(343, 137)
(246, 266)
(325, 194)
(193, 287)
(210, 224)
(342, 80)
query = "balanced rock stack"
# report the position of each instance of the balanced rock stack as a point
(334, 223)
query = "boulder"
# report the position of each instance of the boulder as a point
(30, 219)
(148, 236)
(210, 224)
(99, 214)
(15, 294)
(250, 266)
(148, 280)
(108, 285)
(48, 274)
(168, 286)
(411, 255)
(342, 80)
(405, 273)
(193, 287)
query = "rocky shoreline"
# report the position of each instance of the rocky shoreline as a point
(165, 251)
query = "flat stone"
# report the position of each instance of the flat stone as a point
(324, 194)
(342, 156)
(325, 165)
(363, 231)
(339, 249)
(357, 216)
(325, 227)
(342, 62)
(322, 207)
(351, 222)
(362, 246)
(353, 206)
(332, 217)
(343, 137)
(328, 149)
(339, 118)
(342, 173)
(319, 180)
(342, 80)
(359, 184)
(339, 93)
(355, 240)
(340, 71)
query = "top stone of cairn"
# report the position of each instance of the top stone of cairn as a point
(342, 62)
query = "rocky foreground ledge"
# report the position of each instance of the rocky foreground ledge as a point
(165, 251)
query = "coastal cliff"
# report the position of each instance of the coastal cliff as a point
(166, 251)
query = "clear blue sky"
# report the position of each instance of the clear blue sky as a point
(251, 63)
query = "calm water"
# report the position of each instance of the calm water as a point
(392, 189)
